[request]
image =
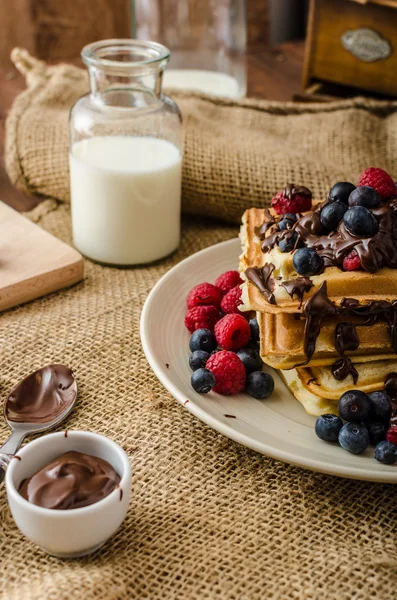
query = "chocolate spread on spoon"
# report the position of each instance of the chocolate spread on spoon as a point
(70, 481)
(42, 396)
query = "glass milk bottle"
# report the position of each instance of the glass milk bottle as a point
(125, 156)
(207, 39)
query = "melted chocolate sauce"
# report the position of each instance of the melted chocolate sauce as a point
(297, 287)
(42, 396)
(70, 481)
(316, 309)
(346, 337)
(262, 278)
(270, 220)
(374, 252)
(350, 303)
(344, 367)
(291, 189)
(319, 306)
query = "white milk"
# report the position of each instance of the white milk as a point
(125, 198)
(209, 82)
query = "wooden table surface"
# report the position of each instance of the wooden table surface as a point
(272, 74)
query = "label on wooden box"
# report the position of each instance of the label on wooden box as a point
(366, 44)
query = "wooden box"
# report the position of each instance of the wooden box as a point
(352, 43)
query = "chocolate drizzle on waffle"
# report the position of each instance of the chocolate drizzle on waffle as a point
(297, 287)
(319, 307)
(346, 339)
(266, 225)
(262, 278)
(374, 252)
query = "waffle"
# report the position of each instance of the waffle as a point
(318, 391)
(330, 332)
(363, 286)
(371, 377)
(282, 341)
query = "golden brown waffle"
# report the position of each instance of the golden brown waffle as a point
(282, 341)
(321, 396)
(371, 377)
(361, 285)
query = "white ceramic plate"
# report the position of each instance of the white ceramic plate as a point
(278, 426)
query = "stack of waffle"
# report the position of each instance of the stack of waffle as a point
(330, 332)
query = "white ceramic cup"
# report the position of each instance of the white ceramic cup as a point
(74, 532)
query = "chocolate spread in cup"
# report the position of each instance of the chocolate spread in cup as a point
(42, 396)
(72, 480)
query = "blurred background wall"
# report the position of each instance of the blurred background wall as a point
(55, 29)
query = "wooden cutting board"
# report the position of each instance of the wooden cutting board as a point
(33, 262)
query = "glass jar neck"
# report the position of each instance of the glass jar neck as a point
(125, 73)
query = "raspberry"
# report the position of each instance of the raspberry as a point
(229, 372)
(391, 434)
(352, 261)
(231, 301)
(232, 332)
(228, 280)
(293, 199)
(380, 180)
(204, 294)
(202, 317)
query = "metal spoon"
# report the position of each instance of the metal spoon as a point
(38, 403)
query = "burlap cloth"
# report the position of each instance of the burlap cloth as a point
(208, 518)
(236, 154)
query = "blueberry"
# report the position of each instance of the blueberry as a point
(327, 427)
(259, 384)
(360, 222)
(288, 244)
(377, 433)
(287, 221)
(254, 329)
(380, 406)
(307, 262)
(354, 438)
(252, 345)
(332, 214)
(386, 453)
(354, 406)
(341, 191)
(203, 381)
(198, 359)
(250, 359)
(364, 196)
(202, 339)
